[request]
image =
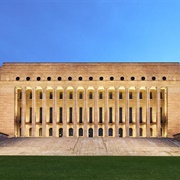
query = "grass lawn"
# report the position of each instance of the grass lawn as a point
(89, 167)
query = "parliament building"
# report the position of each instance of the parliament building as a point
(90, 99)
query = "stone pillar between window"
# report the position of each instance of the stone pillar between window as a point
(127, 111)
(65, 112)
(137, 112)
(23, 112)
(44, 112)
(85, 111)
(75, 113)
(158, 123)
(166, 111)
(106, 119)
(147, 112)
(116, 112)
(54, 111)
(34, 111)
(95, 111)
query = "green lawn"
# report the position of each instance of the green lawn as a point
(92, 167)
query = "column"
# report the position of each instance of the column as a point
(85, 111)
(23, 112)
(137, 112)
(44, 112)
(116, 112)
(75, 113)
(166, 111)
(64, 111)
(158, 119)
(34, 111)
(127, 111)
(106, 119)
(147, 112)
(54, 112)
(95, 112)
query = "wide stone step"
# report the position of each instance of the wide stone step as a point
(90, 146)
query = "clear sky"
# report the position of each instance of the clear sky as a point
(89, 31)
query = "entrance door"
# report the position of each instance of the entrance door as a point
(90, 132)
(60, 132)
(120, 132)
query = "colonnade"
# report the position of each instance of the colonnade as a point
(123, 111)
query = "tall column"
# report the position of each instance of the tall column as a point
(65, 111)
(54, 112)
(137, 112)
(127, 111)
(158, 119)
(106, 119)
(34, 111)
(116, 112)
(95, 111)
(44, 112)
(166, 111)
(23, 112)
(147, 113)
(85, 111)
(75, 113)
(17, 121)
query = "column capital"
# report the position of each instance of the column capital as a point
(44, 87)
(95, 88)
(23, 88)
(54, 87)
(158, 87)
(64, 87)
(137, 87)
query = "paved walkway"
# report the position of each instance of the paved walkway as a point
(90, 146)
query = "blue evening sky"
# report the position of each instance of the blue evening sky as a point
(89, 31)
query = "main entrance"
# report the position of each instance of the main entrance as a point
(90, 132)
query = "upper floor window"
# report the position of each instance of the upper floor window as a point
(151, 96)
(90, 95)
(101, 78)
(120, 95)
(30, 95)
(70, 95)
(164, 78)
(17, 78)
(59, 78)
(111, 78)
(122, 78)
(161, 95)
(27, 78)
(130, 95)
(50, 95)
(140, 95)
(143, 78)
(40, 95)
(110, 95)
(80, 78)
(60, 95)
(48, 78)
(38, 78)
(90, 78)
(100, 95)
(80, 95)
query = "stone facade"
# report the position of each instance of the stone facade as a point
(90, 99)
